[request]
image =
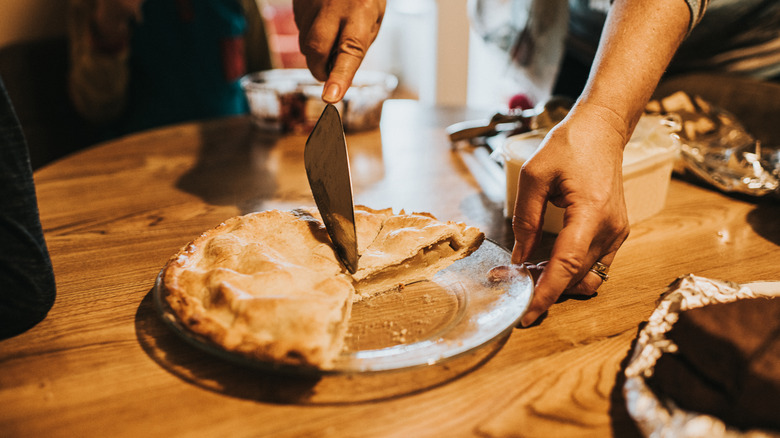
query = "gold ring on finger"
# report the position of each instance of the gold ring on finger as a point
(601, 270)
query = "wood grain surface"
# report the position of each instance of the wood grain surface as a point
(103, 363)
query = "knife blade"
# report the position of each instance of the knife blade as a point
(327, 167)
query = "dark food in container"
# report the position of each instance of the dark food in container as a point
(707, 365)
(290, 100)
(726, 363)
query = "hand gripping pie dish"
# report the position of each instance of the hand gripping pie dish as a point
(270, 287)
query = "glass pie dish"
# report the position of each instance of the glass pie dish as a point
(426, 323)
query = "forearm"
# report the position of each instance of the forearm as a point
(638, 41)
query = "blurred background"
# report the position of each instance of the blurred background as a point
(430, 48)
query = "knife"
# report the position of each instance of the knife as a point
(327, 167)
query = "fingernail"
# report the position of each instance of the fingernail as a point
(518, 257)
(528, 319)
(331, 93)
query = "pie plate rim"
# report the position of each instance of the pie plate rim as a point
(511, 300)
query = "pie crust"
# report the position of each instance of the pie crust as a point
(269, 285)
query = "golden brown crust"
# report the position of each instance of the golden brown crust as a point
(412, 247)
(269, 286)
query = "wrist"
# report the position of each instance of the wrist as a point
(618, 119)
(601, 120)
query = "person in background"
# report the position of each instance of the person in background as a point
(579, 164)
(140, 64)
(27, 290)
(135, 65)
(735, 37)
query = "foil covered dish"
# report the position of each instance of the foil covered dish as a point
(717, 149)
(706, 362)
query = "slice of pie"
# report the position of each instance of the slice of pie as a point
(269, 285)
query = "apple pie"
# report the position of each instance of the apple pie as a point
(270, 286)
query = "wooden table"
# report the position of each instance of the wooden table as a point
(103, 363)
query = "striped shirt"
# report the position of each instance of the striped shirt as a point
(731, 36)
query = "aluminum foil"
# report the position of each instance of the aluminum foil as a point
(717, 149)
(660, 417)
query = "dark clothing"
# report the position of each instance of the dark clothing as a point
(27, 288)
(186, 59)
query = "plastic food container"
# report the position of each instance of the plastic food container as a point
(647, 168)
(290, 100)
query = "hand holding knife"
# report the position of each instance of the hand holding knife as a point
(334, 36)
